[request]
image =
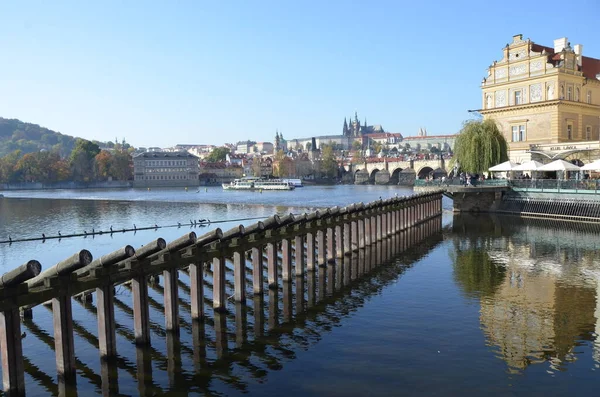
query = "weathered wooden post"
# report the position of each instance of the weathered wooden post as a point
(105, 294)
(368, 226)
(310, 240)
(339, 233)
(219, 298)
(361, 229)
(139, 288)
(311, 286)
(331, 246)
(286, 259)
(58, 276)
(221, 342)
(239, 262)
(256, 254)
(330, 288)
(11, 348)
(299, 255)
(257, 269)
(196, 273)
(273, 309)
(171, 289)
(269, 224)
(321, 233)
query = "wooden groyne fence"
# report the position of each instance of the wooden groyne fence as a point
(306, 242)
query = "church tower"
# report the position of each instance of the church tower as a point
(345, 133)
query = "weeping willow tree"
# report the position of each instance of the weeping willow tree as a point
(479, 146)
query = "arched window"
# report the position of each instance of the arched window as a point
(569, 93)
(589, 97)
(577, 94)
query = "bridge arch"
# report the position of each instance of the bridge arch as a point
(424, 172)
(373, 174)
(395, 176)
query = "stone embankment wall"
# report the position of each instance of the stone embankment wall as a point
(66, 185)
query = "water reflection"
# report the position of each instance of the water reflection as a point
(537, 284)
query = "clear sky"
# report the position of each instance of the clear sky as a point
(167, 72)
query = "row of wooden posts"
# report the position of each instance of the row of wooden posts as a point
(305, 242)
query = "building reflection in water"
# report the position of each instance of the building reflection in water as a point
(537, 283)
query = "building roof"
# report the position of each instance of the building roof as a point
(417, 138)
(590, 67)
(166, 155)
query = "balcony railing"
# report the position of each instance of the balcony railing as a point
(588, 186)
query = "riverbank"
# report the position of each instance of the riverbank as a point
(66, 185)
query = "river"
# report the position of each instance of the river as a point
(490, 305)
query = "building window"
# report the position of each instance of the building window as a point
(569, 93)
(577, 94)
(518, 99)
(589, 97)
(519, 133)
(569, 132)
(588, 133)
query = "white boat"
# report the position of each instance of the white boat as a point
(294, 182)
(252, 183)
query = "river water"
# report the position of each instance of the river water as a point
(494, 305)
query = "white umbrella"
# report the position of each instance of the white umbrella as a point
(506, 166)
(559, 165)
(595, 166)
(531, 165)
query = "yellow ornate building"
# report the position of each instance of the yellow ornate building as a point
(543, 97)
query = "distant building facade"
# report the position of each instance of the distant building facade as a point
(542, 95)
(165, 169)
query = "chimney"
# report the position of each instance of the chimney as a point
(559, 44)
(579, 53)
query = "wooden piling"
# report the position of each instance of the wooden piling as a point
(219, 297)
(171, 300)
(257, 269)
(196, 274)
(310, 251)
(141, 311)
(272, 265)
(64, 347)
(239, 275)
(299, 255)
(11, 351)
(286, 260)
(107, 337)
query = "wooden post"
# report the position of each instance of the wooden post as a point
(11, 351)
(63, 336)
(171, 297)
(239, 275)
(353, 236)
(379, 221)
(310, 251)
(330, 243)
(299, 255)
(360, 225)
(109, 374)
(257, 269)
(286, 260)
(107, 337)
(219, 298)
(368, 231)
(141, 313)
(199, 344)
(339, 241)
(272, 265)
(321, 247)
(196, 274)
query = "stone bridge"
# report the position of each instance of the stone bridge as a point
(395, 171)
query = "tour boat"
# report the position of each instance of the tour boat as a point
(294, 182)
(252, 183)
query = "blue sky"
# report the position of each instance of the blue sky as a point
(162, 73)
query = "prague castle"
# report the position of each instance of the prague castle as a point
(543, 98)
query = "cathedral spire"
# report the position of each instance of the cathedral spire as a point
(345, 127)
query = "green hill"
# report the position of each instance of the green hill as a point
(27, 137)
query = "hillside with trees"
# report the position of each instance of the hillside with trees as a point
(28, 138)
(30, 153)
